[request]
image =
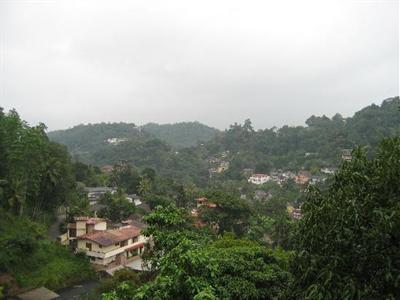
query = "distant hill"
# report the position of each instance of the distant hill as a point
(171, 149)
(82, 138)
(319, 144)
(185, 134)
(152, 145)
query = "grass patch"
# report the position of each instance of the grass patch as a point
(33, 260)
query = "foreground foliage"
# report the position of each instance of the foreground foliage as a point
(190, 263)
(348, 243)
(35, 174)
(36, 178)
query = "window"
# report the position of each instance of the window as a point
(100, 246)
(123, 243)
(89, 246)
(116, 244)
(72, 232)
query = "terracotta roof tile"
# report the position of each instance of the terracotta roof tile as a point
(109, 237)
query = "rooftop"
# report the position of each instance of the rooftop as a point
(90, 220)
(109, 237)
(38, 294)
(98, 189)
(259, 175)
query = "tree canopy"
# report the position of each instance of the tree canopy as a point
(348, 242)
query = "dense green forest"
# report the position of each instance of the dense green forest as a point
(185, 134)
(83, 138)
(36, 178)
(318, 144)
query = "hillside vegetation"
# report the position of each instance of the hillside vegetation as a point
(186, 134)
(345, 246)
(318, 144)
(83, 138)
(36, 177)
(33, 260)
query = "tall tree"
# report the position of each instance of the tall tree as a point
(348, 242)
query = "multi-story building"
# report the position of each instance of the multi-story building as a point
(81, 226)
(105, 247)
(102, 246)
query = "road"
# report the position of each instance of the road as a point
(78, 291)
(53, 231)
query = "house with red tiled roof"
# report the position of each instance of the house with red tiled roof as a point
(107, 246)
(303, 177)
(104, 246)
(196, 212)
(204, 202)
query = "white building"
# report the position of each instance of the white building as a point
(116, 141)
(259, 178)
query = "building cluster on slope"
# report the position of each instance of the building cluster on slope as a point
(222, 167)
(295, 213)
(196, 212)
(301, 178)
(95, 193)
(219, 164)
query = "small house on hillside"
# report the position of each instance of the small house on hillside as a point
(259, 178)
(94, 193)
(262, 195)
(107, 169)
(135, 199)
(303, 177)
(196, 212)
(346, 154)
(328, 171)
(204, 202)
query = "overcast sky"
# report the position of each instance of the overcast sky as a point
(217, 62)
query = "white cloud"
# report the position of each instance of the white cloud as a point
(276, 62)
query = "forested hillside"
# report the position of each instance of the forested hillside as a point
(318, 144)
(186, 134)
(83, 138)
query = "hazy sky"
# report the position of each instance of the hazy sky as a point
(217, 62)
